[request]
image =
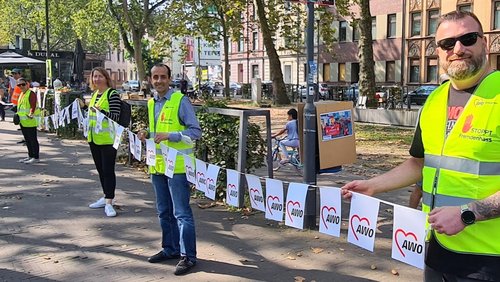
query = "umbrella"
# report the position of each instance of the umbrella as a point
(12, 58)
(78, 61)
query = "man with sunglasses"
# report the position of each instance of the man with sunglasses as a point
(456, 150)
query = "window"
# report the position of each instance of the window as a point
(240, 44)
(390, 71)
(255, 71)
(255, 40)
(326, 72)
(391, 25)
(416, 23)
(432, 70)
(355, 33)
(123, 55)
(465, 8)
(432, 22)
(342, 31)
(341, 72)
(374, 28)
(414, 70)
(497, 15)
(117, 55)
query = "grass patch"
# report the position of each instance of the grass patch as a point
(383, 134)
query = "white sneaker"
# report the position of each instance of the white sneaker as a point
(98, 204)
(109, 210)
(32, 160)
(23, 160)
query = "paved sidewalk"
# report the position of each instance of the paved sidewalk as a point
(47, 232)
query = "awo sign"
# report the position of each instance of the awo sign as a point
(212, 175)
(408, 236)
(363, 221)
(172, 156)
(255, 192)
(330, 211)
(190, 169)
(233, 182)
(201, 176)
(274, 199)
(295, 204)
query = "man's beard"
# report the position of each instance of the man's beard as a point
(467, 68)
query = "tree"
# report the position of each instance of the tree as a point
(266, 23)
(134, 18)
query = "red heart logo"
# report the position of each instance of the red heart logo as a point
(274, 198)
(230, 187)
(252, 191)
(288, 209)
(328, 209)
(360, 220)
(406, 235)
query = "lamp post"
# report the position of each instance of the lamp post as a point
(48, 63)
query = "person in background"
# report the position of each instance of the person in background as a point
(14, 90)
(29, 115)
(107, 101)
(4, 95)
(171, 121)
(456, 151)
(292, 139)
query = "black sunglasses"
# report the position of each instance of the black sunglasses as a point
(21, 84)
(467, 39)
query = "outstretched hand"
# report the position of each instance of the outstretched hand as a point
(359, 186)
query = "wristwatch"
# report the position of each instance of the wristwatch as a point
(468, 216)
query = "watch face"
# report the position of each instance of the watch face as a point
(468, 217)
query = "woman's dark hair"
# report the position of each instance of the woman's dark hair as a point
(293, 113)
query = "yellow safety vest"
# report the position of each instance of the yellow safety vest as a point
(465, 166)
(104, 136)
(168, 121)
(24, 108)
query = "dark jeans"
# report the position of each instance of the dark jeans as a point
(29, 134)
(2, 112)
(104, 160)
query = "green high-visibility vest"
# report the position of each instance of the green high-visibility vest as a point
(168, 121)
(23, 110)
(465, 165)
(104, 136)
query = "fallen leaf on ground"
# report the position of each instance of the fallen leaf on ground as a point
(395, 272)
(317, 250)
(291, 258)
(373, 267)
(299, 279)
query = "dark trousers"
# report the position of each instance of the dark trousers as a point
(29, 134)
(2, 112)
(104, 160)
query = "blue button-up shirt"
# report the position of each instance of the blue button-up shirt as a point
(187, 117)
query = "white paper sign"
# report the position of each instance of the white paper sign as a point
(170, 168)
(363, 221)
(212, 176)
(164, 152)
(81, 118)
(131, 142)
(201, 176)
(85, 126)
(67, 114)
(296, 205)
(330, 217)
(233, 184)
(274, 199)
(74, 109)
(408, 236)
(55, 122)
(98, 126)
(150, 152)
(138, 148)
(189, 165)
(118, 136)
(61, 115)
(255, 192)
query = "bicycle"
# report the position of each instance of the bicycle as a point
(293, 157)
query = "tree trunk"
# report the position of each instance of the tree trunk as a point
(139, 62)
(365, 52)
(279, 90)
(225, 40)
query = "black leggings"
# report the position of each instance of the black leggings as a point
(29, 134)
(104, 160)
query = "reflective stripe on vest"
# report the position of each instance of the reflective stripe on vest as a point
(104, 136)
(465, 165)
(168, 121)
(24, 108)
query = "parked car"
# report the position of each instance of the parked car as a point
(324, 91)
(419, 95)
(235, 88)
(213, 87)
(131, 85)
(352, 92)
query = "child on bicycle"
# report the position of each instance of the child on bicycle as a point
(292, 139)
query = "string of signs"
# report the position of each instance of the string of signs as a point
(409, 230)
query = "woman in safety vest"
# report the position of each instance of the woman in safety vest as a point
(29, 116)
(105, 100)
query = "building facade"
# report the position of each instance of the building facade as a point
(423, 15)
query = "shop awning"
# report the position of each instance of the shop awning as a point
(13, 58)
